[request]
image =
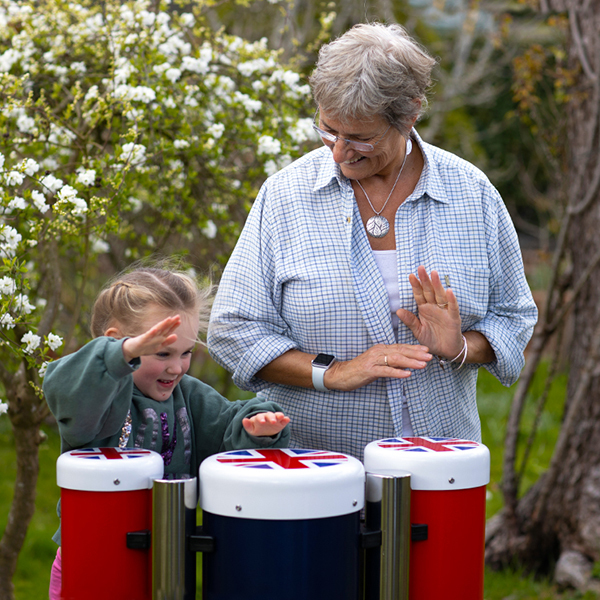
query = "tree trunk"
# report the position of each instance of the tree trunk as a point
(26, 412)
(559, 518)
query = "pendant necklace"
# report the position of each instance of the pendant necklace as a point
(379, 226)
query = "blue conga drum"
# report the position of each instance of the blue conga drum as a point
(285, 524)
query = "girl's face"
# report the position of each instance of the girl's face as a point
(159, 373)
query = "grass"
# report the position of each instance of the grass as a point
(32, 577)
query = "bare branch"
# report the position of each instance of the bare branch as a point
(576, 37)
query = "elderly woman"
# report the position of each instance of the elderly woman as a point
(375, 275)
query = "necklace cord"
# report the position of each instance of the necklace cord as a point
(406, 153)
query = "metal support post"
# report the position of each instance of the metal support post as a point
(173, 521)
(388, 509)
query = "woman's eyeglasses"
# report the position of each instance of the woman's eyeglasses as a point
(360, 146)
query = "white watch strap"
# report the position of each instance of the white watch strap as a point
(318, 376)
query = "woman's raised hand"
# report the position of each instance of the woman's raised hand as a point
(438, 324)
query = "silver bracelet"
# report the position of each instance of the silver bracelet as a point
(463, 353)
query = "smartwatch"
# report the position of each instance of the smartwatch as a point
(320, 364)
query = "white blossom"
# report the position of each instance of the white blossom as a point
(271, 168)
(7, 286)
(302, 131)
(180, 144)
(51, 183)
(86, 176)
(39, 201)
(148, 18)
(268, 145)
(8, 59)
(138, 93)
(79, 206)
(91, 93)
(66, 194)
(160, 69)
(100, 246)
(25, 124)
(9, 240)
(14, 178)
(196, 65)
(173, 74)
(216, 130)
(17, 203)
(54, 341)
(134, 153)
(7, 321)
(32, 340)
(136, 204)
(249, 104)
(43, 368)
(23, 305)
(30, 167)
(187, 19)
(209, 230)
(78, 67)
(257, 65)
(3, 408)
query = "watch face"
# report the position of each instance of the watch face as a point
(323, 360)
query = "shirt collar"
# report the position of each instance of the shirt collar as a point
(329, 170)
(430, 183)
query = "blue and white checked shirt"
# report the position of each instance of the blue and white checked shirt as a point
(303, 276)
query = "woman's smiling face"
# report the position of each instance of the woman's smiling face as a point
(385, 158)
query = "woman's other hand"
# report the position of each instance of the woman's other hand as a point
(395, 360)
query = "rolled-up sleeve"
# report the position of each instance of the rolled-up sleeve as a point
(246, 330)
(512, 313)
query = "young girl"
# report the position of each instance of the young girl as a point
(128, 387)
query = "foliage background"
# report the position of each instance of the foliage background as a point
(130, 128)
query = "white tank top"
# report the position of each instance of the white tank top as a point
(388, 266)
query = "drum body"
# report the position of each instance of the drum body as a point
(285, 523)
(106, 493)
(448, 495)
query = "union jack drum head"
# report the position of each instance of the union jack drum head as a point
(108, 469)
(281, 484)
(433, 463)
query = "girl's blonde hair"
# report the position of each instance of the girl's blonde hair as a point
(127, 299)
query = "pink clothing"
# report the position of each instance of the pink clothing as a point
(56, 577)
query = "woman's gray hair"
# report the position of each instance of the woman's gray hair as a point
(373, 70)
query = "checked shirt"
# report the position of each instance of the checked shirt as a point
(303, 276)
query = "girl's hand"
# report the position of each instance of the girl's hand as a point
(438, 323)
(154, 340)
(265, 424)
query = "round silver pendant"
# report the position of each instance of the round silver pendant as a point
(378, 226)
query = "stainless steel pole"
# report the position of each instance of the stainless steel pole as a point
(173, 520)
(388, 509)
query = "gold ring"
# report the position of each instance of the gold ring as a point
(442, 305)
(385, 361)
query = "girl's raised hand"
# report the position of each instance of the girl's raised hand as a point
(265, 424)
(152, 341)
